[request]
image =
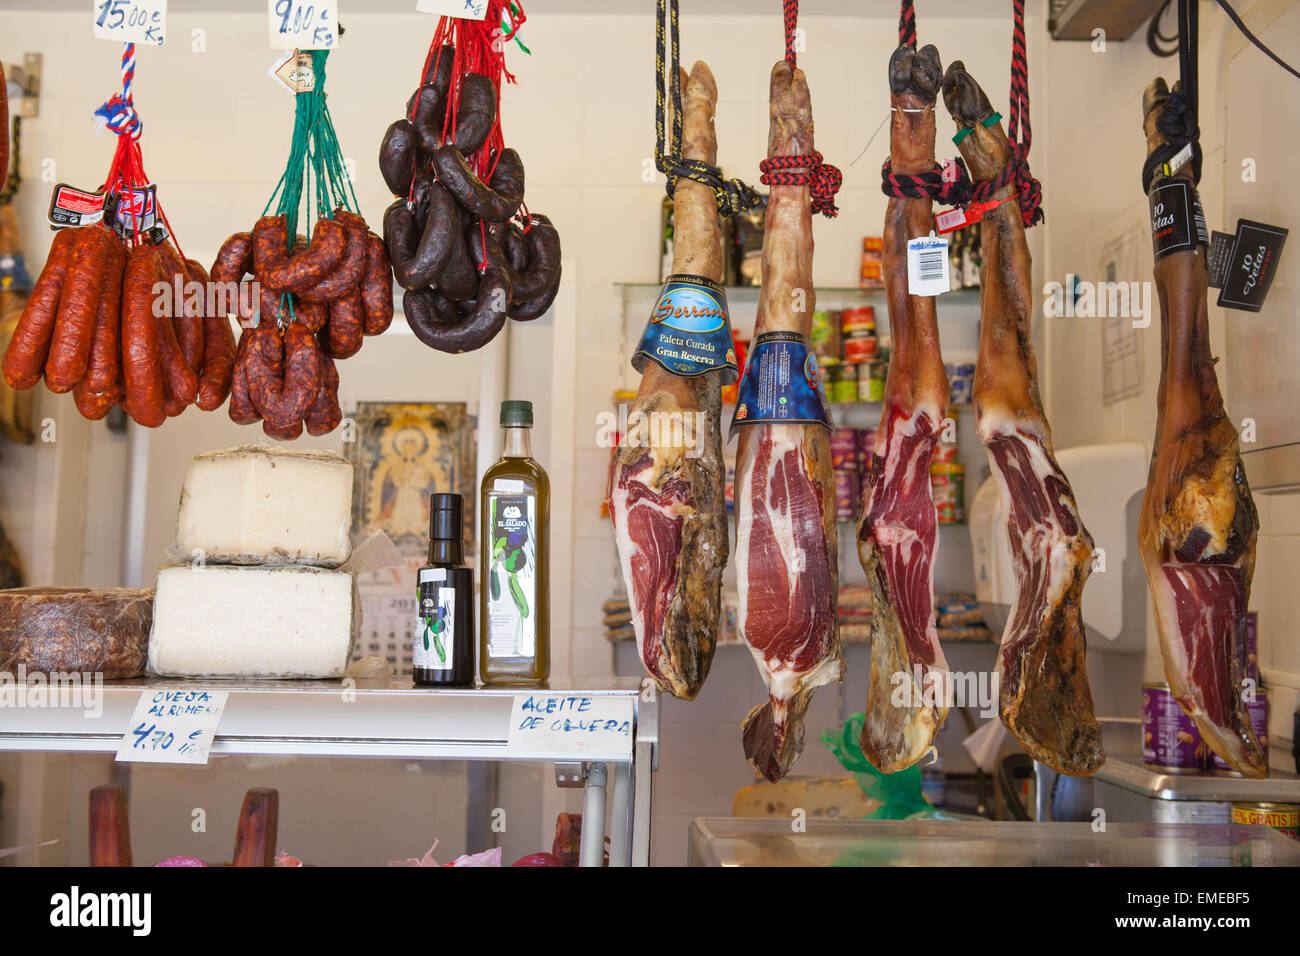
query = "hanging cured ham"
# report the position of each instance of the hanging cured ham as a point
(666, 482)
(787, 544)
(1198, 526)
(1045, 700)
(898, 531)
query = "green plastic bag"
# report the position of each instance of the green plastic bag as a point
(899, 793)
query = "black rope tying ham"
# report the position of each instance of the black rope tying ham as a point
(733, 196)
(949, 184)
(1178, 121)
(822, 179)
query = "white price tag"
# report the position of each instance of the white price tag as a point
(172, 726)
(570, 724)
(130, 21)
(927, 265)
(302, 25)
(293, 71)
(463, 9)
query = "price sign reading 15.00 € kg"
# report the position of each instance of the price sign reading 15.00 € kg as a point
(172, 726)
(130, 21)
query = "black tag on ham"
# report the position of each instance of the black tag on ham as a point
(1251, 265)
(1176, 219)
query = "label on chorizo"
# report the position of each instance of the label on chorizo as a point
(782, 383)
(689, 332)
(132, 212)
(1177, 222)
(70, 206)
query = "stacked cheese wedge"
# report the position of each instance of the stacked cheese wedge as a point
(264, 591)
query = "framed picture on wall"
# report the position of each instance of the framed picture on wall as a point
(401, 453)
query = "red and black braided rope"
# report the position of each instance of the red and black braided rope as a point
(953, 189)
(1028, 189)
(906, 24)
(790, 13)
(823, 180)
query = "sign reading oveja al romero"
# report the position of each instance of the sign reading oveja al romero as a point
(570, 724)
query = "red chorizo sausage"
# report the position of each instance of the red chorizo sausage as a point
(377, 287)
(241, 410)
(105, 365)
(95, 405)
(24, 361)
(313, 315)
(346, 326)
(189, 323)
(141, 365)
(218, 361)
(74, 327)
(304, 269)
(270, 243)
(234, 258)
(325, 414)
(350, 267)
(179, 380)
(284, 398)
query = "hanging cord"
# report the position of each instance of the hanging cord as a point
(906, 24)
(1178, 120)
(1155, 37)
(1029, 190)
(126, 172)
(1233, 16)
(732, 195)
(823, 180)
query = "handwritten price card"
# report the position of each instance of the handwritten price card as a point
(172, 726)
(300, 25)
(570, 724)
(130, 21)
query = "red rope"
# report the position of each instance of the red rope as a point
(823, 180)
(906, 24)
(1029, 190)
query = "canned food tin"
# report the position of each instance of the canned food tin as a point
(1170, 740)
(860, 347)
(1283, 817)
(871, 381)
(842, 383)
(847, 491)
(844, 449)
(861, 318)
(1258, 711)
(826, 336)
(947, 484)
(866, 448)
(961, 381)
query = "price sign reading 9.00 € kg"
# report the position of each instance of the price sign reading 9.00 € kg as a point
(172, 726)
(130, 21)
(302, 25)
(573, 725)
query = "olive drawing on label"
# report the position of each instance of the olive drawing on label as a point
(510, 572)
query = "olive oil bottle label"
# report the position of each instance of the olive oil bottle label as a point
(512, 576)
(435, 621)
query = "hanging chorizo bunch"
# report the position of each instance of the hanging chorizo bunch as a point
(462, 243)
(317, 299)
(116, 316)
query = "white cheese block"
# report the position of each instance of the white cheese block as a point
(226, 621)
(254, 505)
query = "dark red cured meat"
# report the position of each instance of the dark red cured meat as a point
(29, 347)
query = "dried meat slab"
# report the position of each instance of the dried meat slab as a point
(84, 630)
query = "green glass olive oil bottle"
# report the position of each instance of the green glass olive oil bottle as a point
(514, 602)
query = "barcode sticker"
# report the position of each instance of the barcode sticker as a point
(927, 265)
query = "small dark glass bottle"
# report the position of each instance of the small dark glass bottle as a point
(443, 651)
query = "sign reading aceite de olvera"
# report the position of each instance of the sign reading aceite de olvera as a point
(172, 726)
(302, 24)
(571, 725)
(130, 21)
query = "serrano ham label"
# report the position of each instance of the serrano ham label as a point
(1242, 267)
(781, 384)
(689, 332)
(1177, 222)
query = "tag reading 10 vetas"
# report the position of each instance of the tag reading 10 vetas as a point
(302, 25)
(172, 726)
(927, 265)
(570, 724)
(130, 21)
(462, 9)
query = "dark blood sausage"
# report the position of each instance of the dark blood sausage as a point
(397, 154)
(234, 258)
(325, 414)
(304, 269)
(377, 287)
(270, 243)
(346, 326)
(474, 331)
(284, 399)
(105, 366)
(516, 248)
(427, 107)
(476, 113)
(74, 326)
(543, 272)
(459, 278)
(141, 368)
(189, 322)
(241, 407)
(347, 273)
(313, 315)
(441, 230)
(24, 361)
(218, 361)
(535, 308)
(495, 202)
(401, 234)
(421, 197)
